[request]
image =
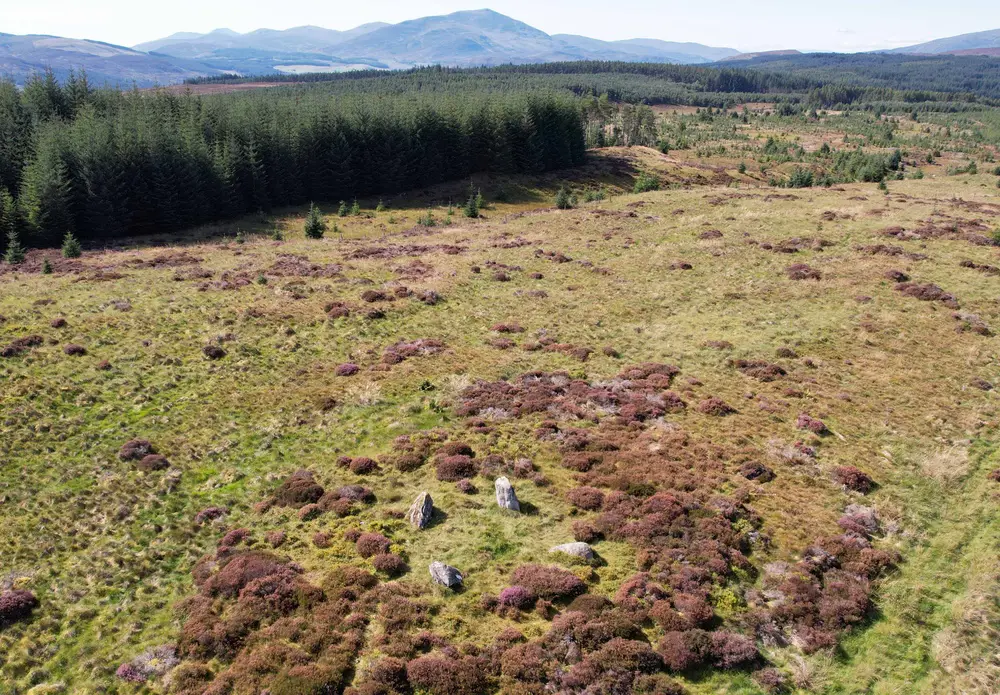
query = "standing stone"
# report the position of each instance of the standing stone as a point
(421, 511)
(581, 550)
(445, 575)
(505, 495)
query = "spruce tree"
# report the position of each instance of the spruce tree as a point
(46, 267)
(71, 246)
(563, 201)
(15, 252)
(471, 208)
(342, 210)
(355, 209)
(315, 226)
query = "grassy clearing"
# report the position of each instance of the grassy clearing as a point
(109, 549)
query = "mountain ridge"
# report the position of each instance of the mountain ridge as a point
(459, 39)
(951, 44)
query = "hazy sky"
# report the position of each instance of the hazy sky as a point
(844, 25)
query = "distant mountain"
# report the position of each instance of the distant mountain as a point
(105, 63)
(953, 44)
(461, 39)
(479, 37)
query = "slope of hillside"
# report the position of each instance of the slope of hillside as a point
(708, 490)
(963, 42)
(104, 63)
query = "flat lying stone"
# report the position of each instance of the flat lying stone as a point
(445, 575)
(421, 511)
(506, 499)
(581, 550)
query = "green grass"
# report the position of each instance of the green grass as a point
(109, 550)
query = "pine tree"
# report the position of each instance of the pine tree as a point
(46, 267)
(71, 247)
(342, 210)
(355, 209)
(315, 226)
(15, 252)
(563, 201)
(471, 208)
(46, 194)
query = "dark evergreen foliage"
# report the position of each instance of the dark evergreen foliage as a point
(107, 163)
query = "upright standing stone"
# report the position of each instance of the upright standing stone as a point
(506, 498)
(421, 510)
(445, 575)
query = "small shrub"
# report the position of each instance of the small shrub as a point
(298, 490)
(153, 462)
(130, 674)
(854, 479)
(454, 468)
(585, 532)
(466, 487)
(801, 178)
(210, 514)
(589, 498)
(752, 470)
(549, 581)
(372, 296)
(75, 350)
(371, 544)
(645, 183)
(731, 651)
(682, 651)
(15, 253)
(347, 369)
(135, 450)
(390, 564)
(519, 597)
(16, 604)
(363, 466)
(563, 199)
(456, 449)
(213, 352)
(437, 675)
(716, 407)
(71, 247)
(811, 424)
(315, 226)
(802, 271)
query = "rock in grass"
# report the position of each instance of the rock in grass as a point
(580, 550)
(445, 575)
(421, 511)
(506, 499)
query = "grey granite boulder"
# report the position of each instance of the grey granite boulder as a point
(506, 498)
(421, 511)
(445, 575)
(580, 550)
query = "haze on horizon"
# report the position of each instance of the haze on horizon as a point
(846, 26)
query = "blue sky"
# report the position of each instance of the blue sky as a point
(844, 25)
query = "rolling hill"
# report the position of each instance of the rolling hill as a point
(104, 63)
(966, 43)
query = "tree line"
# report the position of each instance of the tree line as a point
(109, 163)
